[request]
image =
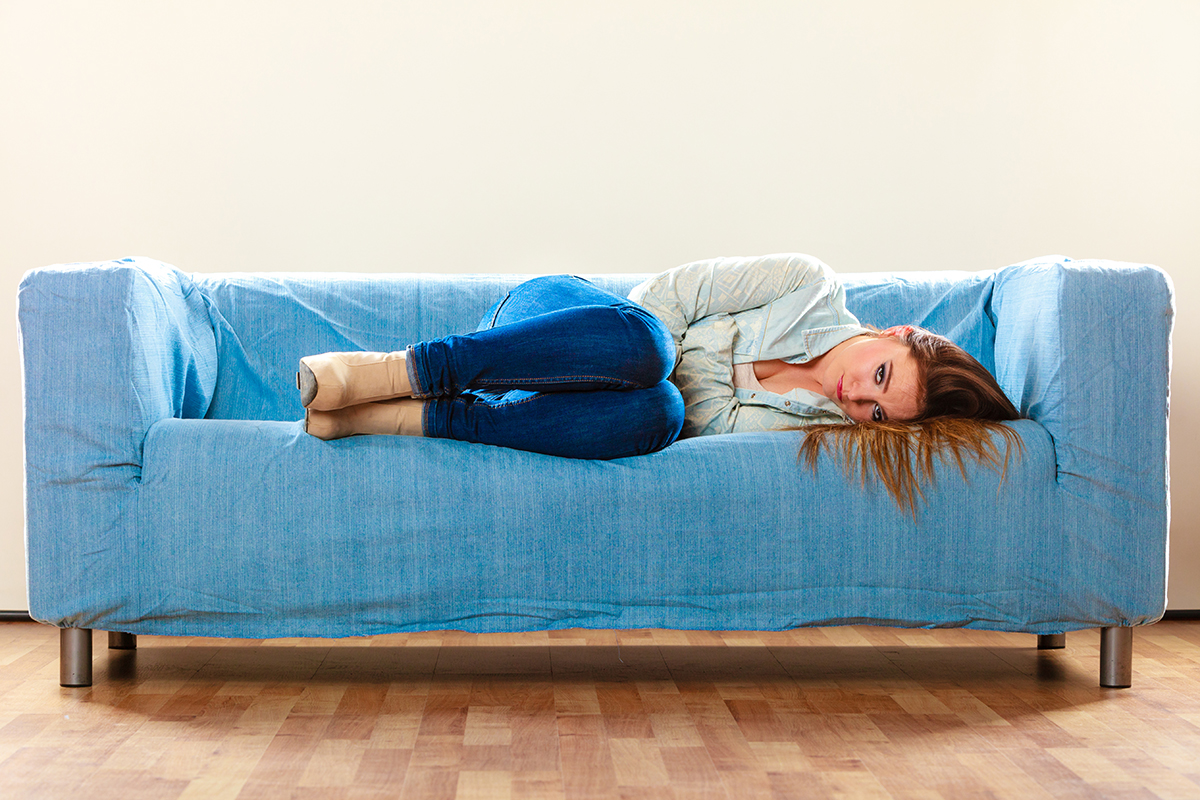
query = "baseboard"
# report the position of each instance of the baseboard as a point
(15, 616)
(1193, 613)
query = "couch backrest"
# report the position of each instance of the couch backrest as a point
(265, 322)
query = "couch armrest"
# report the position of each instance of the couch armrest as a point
(107, 350)
(1084, 348)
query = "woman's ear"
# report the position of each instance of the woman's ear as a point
(897, 330)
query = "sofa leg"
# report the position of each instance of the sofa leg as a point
(1052, 641)
(122, 641)
(1116, 657)
(75, 656)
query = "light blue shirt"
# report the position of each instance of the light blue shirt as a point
(727, 311)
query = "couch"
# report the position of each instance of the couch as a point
(171, 488)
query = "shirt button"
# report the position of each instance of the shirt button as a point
(753, 396)
(787, 402)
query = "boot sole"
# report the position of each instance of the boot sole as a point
(306, 382)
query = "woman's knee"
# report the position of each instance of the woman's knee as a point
(655, 346)
(660, 419)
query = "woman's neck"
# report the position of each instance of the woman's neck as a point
(781, 377)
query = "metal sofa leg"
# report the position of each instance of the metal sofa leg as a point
(75, 656)
(1116, 657)
(1052, 641)
(122, 641)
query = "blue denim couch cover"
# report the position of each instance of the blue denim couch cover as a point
(171, 490)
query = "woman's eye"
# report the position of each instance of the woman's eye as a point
(877, 414)
(879, 374)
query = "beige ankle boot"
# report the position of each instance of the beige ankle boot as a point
(336, 380)
(394, 417)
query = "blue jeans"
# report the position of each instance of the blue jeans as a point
(559, 366)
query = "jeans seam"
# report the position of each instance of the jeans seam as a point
(479, 383)
(499, 307)
(522, 401)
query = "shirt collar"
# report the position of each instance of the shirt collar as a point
(818, 402)
(819, 341)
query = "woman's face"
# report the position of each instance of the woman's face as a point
(872, 379)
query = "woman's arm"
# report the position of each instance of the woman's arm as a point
(682, 295)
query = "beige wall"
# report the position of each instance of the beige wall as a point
(602, 136)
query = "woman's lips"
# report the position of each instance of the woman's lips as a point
(839, 389)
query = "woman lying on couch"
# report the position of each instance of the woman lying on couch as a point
(562, 367)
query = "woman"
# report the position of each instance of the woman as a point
(562, 367)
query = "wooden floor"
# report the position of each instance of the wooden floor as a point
(837, 712)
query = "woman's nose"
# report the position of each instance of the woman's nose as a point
(856, 395)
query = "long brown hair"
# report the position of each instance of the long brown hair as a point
(962, 407)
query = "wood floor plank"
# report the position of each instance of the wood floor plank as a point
(538, 785)
(587, 765)
(430, 784)
(840, 712)
(484, 785)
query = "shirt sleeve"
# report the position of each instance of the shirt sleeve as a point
(682, 295)
(704, 377)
